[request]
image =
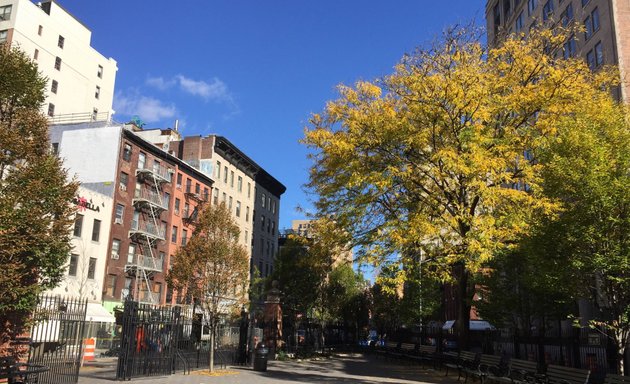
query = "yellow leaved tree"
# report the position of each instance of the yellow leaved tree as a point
(434, 164)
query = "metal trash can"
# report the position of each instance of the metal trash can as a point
(260, 358)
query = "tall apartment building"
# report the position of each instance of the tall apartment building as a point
(80, 79)
(154, 199)
(251, 194)
(606, 39)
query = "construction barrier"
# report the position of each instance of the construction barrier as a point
(88, 353)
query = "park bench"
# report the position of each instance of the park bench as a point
(557, 374)
(449, 360)
(489, 365)
(518, 372)
(465, 360)
(389, 349)
(408, 351)
(427, 353)
(616, 379)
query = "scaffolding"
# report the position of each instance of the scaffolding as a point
(147, 230)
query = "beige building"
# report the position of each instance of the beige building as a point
(251, 194)
(606, 39)
(80, 80)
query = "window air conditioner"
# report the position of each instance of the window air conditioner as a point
(117, 220)
(115, 256)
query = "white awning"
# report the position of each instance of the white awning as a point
(97, 313)
(475, 325)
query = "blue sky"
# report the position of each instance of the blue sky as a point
(252, 70)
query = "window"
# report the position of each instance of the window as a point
(246, 236)
(5, 13)
(567, 15)
(238, 208)
(142, 158)
(97, 92)
(94, 114)
(224, 197)
(263, 200)
(36, 54)
(127, 152)
(51, 109)
(496, 13)
(184, 237)
(167, 200)
(99, 73)
(40, 30)
(547, 10)
(230, 203)
(131, 253)
(595, 18)
(188, 185)
(78, 225)
(123, 182)
(4, 35)
(58, 63)
(231, 179)
(91, 268)
(225, 174)
(519, 22)
(205, 194)
(262, 222)
(179, 180)
(197, 189)
(177, 202)
(96, 230)
(531, 7)
(218, 170)
(569, 47)
(215, 197)
(174, 235)
(74, 263)
(61, 41)
(247, 213)
(273, 207)
(239, 184)
(268, 225)
(269, 202)
(249, 190)
(135, 221)
(273, 228)
(186, 210)
(599, 54)
(115, 248)
(120, 210)
(53, 86)
(156, 166)
(55, 148)
(111, 285)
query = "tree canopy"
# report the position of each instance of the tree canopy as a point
(213, 267)
(35, 195)
(438, 158)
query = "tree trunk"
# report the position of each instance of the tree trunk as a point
(212, 329)
(463, 308)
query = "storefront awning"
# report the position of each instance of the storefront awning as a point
(97, 313)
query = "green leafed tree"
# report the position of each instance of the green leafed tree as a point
(435, 159)
(588, 170)
(35, 196)
(213, 268)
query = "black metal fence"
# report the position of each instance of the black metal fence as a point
(56, 339)
(160, 340)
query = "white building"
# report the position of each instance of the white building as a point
(80, 79)
(86, 266)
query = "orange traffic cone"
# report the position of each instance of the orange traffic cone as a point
(88, 352)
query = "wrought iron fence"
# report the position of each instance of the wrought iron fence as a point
(57, 338)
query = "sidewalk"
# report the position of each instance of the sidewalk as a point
(346, 369)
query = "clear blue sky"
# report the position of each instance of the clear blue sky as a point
(254, 70)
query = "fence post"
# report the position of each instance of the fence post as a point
(577, 363)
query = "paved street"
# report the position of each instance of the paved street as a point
(347, 369)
